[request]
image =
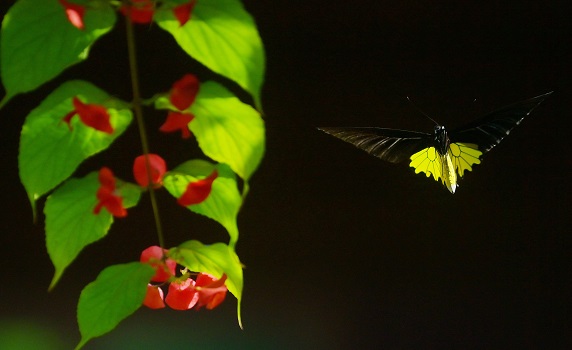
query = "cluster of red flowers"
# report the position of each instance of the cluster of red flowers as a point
(183, 293)
(139, 11)
(182, 95)
(109, 198)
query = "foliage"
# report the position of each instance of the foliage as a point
(41, 38)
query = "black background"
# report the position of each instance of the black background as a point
(343, 250)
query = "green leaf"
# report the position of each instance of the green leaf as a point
(118, 291)
(49, 151)
(222, 36)
(224, 201)
(214, 259)
(70, 222)
(38, 42)
(227, 130)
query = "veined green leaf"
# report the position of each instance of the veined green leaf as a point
(118, 291)
(38, 42)
(214, 259)
(222, 36)
(49, 151)
(224, 201)
(70, 222)
(226, 129)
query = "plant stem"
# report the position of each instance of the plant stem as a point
(141, 124)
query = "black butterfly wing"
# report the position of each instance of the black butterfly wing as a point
(391, 145)
(488, 131)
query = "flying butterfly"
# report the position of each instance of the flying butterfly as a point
(445, 155)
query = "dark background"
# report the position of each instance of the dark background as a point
(342, 250)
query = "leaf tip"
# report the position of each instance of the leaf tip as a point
(55, 280)
(81, 343)
(4, 100)
(33, 197)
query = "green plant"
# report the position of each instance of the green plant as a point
(40, 39)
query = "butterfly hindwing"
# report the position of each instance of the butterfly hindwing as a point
(489, 130)
(464, 155)
(459, 157)
(391, 145)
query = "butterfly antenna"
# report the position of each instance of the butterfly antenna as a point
(421, 111)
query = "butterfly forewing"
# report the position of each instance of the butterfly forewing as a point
(489, 130)
(388, 144)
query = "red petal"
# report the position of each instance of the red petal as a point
(114, 205)
(184, 92)
(154, 297)
(211, 291)
(183, 12)
(75, 13)
(163, 269)
(106, 195)
(178, 121)
(106, 178)
(140, 12)
(182, 295)
(158, 169)
(93, 115)
(197, 191)
(67, 118)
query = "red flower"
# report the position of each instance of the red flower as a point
(140, 11)
(211, 291)
(92, 115)
(154, 297)
(75, 13)
(164, 268)
(178, 121)
(182, 295)
(183, 12)
(106, 195)
(184, 91)
(158, 169)
(197, 191)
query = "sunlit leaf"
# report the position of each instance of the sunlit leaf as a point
(214, 259)
(70, 222)
(117, 292)
(222, 36)
(224, 201)
(38, 41)
(49, 151)
(226, 129)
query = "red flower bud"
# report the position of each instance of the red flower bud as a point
(106, 196)
(157, 167)
(154, 297)
(182, 295)
(141, 11)
(211, 291)
(164, 269)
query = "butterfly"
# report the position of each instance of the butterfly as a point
(445, 155)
